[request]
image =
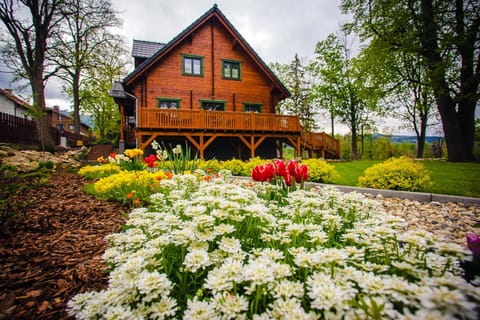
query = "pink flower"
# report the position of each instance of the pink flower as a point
(473, 243)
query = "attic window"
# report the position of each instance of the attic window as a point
(192, 65)
(231, 69)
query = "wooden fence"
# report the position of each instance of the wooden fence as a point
(23, 131)
(17, 130)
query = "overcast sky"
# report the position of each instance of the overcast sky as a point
(276, 29)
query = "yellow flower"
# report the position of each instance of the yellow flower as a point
(132, 153)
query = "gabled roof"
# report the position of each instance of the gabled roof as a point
(214, 12)
(9, 95)
(145, 49)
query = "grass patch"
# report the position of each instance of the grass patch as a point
(350, 171)
(459, 179)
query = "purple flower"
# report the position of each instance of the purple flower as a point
(473, 242)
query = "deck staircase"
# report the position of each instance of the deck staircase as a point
(99, 150)
(321, 145)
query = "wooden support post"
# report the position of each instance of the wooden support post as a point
(252, 145)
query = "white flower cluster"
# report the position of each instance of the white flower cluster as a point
(162, 155)
(118, 159)
(217, 250)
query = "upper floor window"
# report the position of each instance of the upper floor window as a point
(231, 69)
(192, 65)
(213, 105)
(168, 103)
(252, 107)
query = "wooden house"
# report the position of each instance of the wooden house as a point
(62, 125)
(13, 105)
(209, 88)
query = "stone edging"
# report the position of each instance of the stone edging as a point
(417, 196)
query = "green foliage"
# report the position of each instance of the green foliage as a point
(13, 184)
(397, 174)
(382, 149)
(49, 165)
(235, 166)
(180, 159)
(320, 171)
(210, 166)
(99, 171)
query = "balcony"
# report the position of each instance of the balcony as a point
(212, 121)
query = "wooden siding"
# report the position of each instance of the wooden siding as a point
(213, 43)
(213, 39)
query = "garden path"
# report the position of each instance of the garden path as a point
(54, 251)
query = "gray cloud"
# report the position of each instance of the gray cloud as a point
(276, 29)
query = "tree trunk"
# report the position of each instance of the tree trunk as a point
(76, 103)
(452, 128)
(421, 136)
(458, 127)
(353, 124)
(43, 126)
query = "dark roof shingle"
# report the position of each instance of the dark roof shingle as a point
(145, 49)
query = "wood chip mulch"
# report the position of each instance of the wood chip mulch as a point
(53, 249)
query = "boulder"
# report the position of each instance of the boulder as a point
(28, 160)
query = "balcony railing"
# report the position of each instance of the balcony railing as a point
(168, 119)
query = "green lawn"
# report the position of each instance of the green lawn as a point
(461, 179)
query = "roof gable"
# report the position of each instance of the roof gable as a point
(213, 13)
(9, 95)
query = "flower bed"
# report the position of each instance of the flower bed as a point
(214, 249)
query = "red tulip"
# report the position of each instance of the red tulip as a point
(280, 167)
(288, 179)
(292, 167)
(301, 174)
(263, 173)
(150, 160)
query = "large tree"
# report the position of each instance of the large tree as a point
(447, 35)
(351, 99)
(84, 33)
(296, 78)
(28, 27)
(96, 100)
(402, 78)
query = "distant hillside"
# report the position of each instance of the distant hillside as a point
(405, 138)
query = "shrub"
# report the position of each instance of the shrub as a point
(235, 166)
(99, 171)
(320, 171)
(129, 186)
(210, 166)
(396, 174)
